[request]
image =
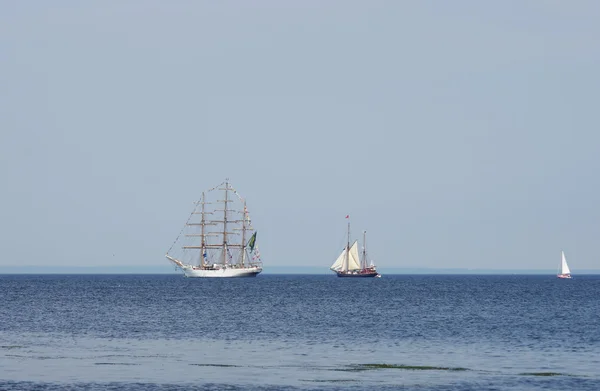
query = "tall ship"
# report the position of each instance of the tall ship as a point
(219, 241)
(563, 269)
(350, 264)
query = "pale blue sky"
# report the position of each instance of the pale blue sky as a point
(459, 134)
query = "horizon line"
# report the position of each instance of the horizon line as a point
(308, 270)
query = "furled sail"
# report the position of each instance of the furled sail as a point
(353, 260)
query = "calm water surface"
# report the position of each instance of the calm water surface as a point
(274, 332)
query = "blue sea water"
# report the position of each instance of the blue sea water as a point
(299, 332)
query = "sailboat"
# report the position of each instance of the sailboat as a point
(349, 264)
(564, 271)
(206, 246)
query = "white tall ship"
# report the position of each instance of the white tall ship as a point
(217, 242)
(564, 271)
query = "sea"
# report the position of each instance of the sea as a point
(299, 332)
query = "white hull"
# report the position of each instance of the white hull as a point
(224, 272)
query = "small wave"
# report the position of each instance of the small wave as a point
(114, 363)
(216, 365)
(11, 347)
(366, 367)
(543, 374)
(131, 356)
(48, 357)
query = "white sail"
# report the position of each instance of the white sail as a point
(337, 265)
(564, 268)
(353, 261)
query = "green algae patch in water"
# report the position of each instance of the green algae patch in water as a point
(542, 374)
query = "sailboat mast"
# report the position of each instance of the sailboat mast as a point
(347, 260)
(225, 222)
(364, 257)
(560, 266)
(348, 234)
(203, 242)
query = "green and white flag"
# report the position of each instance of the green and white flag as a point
(252, 241)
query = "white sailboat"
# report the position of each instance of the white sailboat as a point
(206, 247)
(564, 271)
(349, 264)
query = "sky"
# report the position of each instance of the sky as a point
(459, 134)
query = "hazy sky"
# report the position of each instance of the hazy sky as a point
(459, 134)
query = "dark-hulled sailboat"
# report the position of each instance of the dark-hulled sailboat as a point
(350, 264)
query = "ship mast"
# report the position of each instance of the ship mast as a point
(225, 222)
(364, 262)
(203, 232)
(244, 234)
(347, 260)
(202, 242)
(224, 246)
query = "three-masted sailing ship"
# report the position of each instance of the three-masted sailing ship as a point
(217, 242)
(349, 264)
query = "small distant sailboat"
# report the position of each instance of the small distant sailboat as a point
(349, 264)
(564, 271)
